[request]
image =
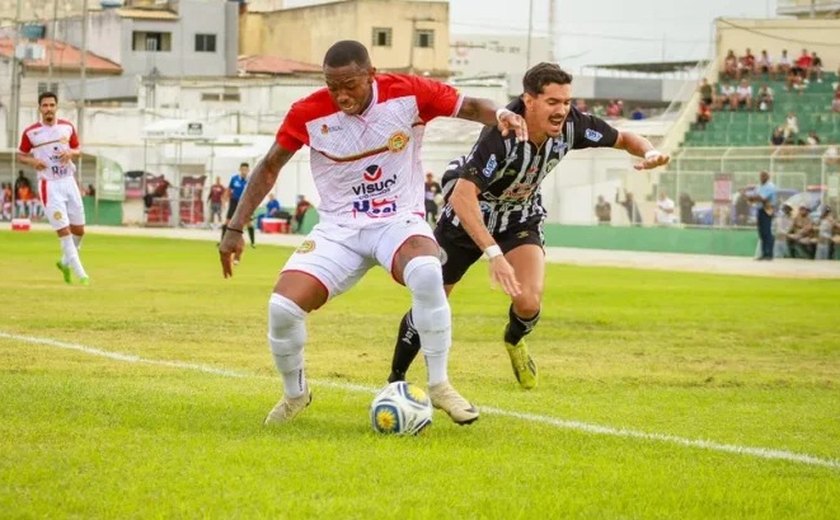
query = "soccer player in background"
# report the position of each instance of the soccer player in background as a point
(49, 146)
(363, 130)
(494, 207)
(236, 188)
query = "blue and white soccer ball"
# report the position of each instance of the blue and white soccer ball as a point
(401, 408)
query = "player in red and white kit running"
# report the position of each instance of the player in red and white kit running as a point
(363, 131)
(50, 146)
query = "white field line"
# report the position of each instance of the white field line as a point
(596, 429)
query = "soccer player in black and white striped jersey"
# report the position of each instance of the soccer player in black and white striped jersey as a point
(493, 205)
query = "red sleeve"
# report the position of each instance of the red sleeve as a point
(74, 138)
(435, 99)
(292, 134)
(25, 143)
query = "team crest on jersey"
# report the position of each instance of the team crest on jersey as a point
(592, 135)
(57, 215)
(522, 234)
(325, 128)
(490, 167)
(306, 247)
(397, 141)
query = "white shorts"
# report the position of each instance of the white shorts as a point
(338, 257)
(62, 202)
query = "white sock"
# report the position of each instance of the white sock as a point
(77, 239)
(286, 337)
(71, 256)
(430, 313)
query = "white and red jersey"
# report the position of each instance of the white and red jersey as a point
(367, 167)
(46, 142)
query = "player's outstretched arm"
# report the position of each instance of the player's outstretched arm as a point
(259, 184)
(487, 113)
(641, 147)
(464, 201)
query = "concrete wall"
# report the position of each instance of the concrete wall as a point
(305, 34)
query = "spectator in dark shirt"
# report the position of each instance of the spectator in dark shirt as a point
(686, 205)
(603, 211)
(629, 204)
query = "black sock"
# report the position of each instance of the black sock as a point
(518, 328)
(251, 234)
(406, 349)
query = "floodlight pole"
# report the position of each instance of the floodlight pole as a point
(80, 124)
(530, 30)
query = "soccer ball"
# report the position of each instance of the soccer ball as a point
(401, 408)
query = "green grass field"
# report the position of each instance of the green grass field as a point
(745, 364)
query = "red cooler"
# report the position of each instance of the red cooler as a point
(271, 225)
(21, 224)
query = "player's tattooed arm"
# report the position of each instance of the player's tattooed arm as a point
(260, 182)
(487, 113)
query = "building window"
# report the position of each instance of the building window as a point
(205, 43)
(381, 36)
(424, 38)
(47, 87)
(151, 41)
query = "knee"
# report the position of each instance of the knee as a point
(527, 304)
(286, 328)
(423, 276)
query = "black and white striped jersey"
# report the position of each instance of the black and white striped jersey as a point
(509, 173)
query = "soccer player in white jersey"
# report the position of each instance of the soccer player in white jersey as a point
(49, 146)
(360, 130)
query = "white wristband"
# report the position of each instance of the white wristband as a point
(650, 154)
(493, 251)
(499, 113)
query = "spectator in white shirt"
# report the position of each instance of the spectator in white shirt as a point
(665, 210)
(743, 96)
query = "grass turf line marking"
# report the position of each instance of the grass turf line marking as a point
(595, 429)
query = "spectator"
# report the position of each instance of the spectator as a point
(803, 64)
(800, 233)
(580, 104)
(765, 98)
(6, 201)
(300, 210)
(813, 139)
(765, 198)
(781, 228)
(614, 109)
(22, 181)
(727, 95)
(665, 210)
(743, 96)
(216, 199)
(794, 82)
(91, 191)
(824, 234)
(778, 137)
(730, 65)
(816, 67)
(598, 110)
(157, 193)
(272, 208)
(746, 64)
(783, 68)
(630, 205)
(704, 115)
(637, 114)
(765, 66)
(791, 128)
(706, 92)
(603, 211)
(835, 103)
(686, 207)
(433, 193)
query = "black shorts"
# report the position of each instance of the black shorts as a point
(458, 252)
(232, 208)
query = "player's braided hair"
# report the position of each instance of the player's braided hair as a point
(347, 52)
(542, 74)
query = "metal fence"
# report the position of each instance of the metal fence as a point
(712, 181)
